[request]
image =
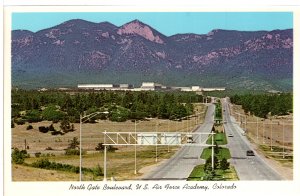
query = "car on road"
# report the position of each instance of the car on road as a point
(230, 135)
(250, 153)
(190, 139)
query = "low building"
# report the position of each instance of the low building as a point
(214, 89)
(151, 86)
(126, 86)
(197, 88)
(186, 89)
(96, 86)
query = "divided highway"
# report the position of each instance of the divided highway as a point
(247, 167)
(181, 164)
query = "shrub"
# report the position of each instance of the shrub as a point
(49, 148)
(33, 116)
(224, 164)
(18, 156)
(37, 154)
(111, 148)
(44, 163)
(48, 155)
(57, 133)
(51, 128)
(97, 171)
(208, 162)
(72, 152)
(66, 126)
(43, 129)
(100, 147)
(29, 127)
(20, 121)
(74, 143)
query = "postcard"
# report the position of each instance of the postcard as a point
(130, 100)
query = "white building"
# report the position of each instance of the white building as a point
(196, 88)
(186, 89)
(96, 86)
(151, 86)
(214, 89)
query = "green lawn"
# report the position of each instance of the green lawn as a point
(220, 139)
(223, 153)
(198, 174)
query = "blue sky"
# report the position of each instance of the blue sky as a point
(168, 23)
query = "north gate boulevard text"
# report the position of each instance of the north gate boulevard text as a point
(150, 186)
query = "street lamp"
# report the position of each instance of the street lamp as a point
(82, 120)
(283, 153)
(135, 124)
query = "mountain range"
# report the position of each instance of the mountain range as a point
(79, 51)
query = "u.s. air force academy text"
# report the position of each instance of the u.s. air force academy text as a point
(146, 186)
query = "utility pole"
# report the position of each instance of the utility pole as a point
(212, 151)
(263, 132)
(104, 168)
(80, 147)
(256, 129)
(156, 143)
(245, 123)
(168, 131)
(271, 135)
(135, 172)
(283, 153)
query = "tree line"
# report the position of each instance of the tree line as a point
(35, 106)
(263, 104)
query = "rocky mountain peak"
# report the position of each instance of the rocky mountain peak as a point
(136, 27)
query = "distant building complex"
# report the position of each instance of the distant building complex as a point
(106, 86)
(146, 86)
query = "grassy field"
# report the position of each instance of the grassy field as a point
(120, 164)
(227, 175)
(223, 153)
(92, 133)
(25, 173)
(219, 138)
(284, 156)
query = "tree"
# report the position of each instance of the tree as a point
(33, 116)
(224, 164)
(66, 126)
(74, 143)
(99, 147)
(216, 161)
(73, 148)
(209, 173)
(52, 114)
(216, 147)
(18, 156)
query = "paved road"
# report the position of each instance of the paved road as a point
(247, 167)
(181, 164)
